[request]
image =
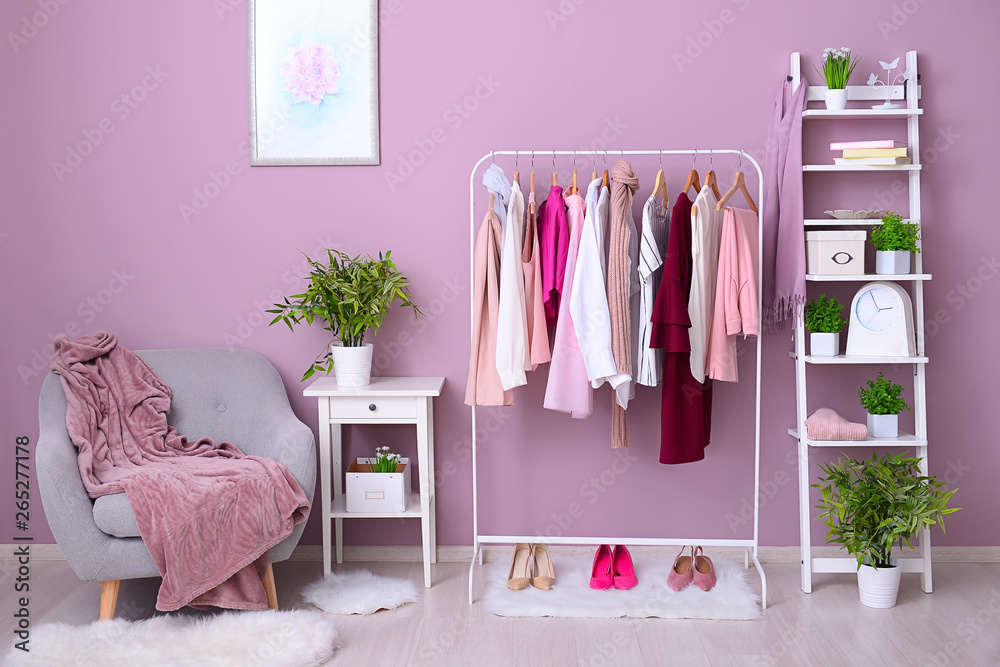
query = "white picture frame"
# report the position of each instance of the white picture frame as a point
(313, 82)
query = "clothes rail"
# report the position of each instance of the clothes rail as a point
(750, 546)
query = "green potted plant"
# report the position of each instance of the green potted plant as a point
(872, 506)
(351, 296)
(838, 65)
(894, 242)
(883, 401)
(825, 321)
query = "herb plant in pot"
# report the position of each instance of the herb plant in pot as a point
(872, 506)
(351, 295)
(838, 65)
(894, 242)
(883, 401)
(825, 321)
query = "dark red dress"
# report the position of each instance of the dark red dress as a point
(686, 408)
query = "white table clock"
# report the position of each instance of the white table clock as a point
(881, 322)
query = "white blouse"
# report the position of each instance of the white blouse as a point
(513, 354)
(706, 225)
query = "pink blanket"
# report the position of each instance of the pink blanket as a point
(207, 513)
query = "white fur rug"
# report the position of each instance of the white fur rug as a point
(359, 592)
(571, 596)
(292, 638)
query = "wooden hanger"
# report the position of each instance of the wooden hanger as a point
(572, 189)
(555, 177)
(710, 179)
(489, 211)
(661, 184)
(739, 185)
(531, 205)
(606, 182)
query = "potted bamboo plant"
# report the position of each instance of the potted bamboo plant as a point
(838, 65)
(351, 296)
(870, 507)
(884, 402)
(895, 241)
(825, 321)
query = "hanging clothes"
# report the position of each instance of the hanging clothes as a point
(498, 185)
(651, 249)
(686, 404)
(620, 243)
(784, 268)
(483, 386)
(736, 308)
(589, 301)
(534, 298)
(553, 234)
(706, 223)
(568, 388)
(513, 356)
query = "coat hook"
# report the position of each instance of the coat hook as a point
(493, 155)
(532, 160)
(661, 159)
(515, 161)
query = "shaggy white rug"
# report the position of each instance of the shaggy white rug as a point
(271, 638)
(732, 598)
(359, 592)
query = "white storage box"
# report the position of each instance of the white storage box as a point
(835, 252)
(377, 491)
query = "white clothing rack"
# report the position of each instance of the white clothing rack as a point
(479, 539)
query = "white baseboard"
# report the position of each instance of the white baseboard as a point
(463, 554)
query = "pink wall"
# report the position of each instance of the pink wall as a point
(575, 74)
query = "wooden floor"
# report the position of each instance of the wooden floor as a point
(959, 624)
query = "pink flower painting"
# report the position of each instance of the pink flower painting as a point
(311, 72)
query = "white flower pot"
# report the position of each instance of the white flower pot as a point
(878, 588)
(824, 344)
(892, 262)
(883, 426)
(353, 365)
(836, 99)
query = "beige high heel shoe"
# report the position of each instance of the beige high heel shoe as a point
(519, 577)
(545, 574)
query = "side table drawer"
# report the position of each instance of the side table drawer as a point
(374, 408)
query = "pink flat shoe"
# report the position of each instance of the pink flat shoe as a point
(682, 572)
(704, 571)
(624, 571)
(601, 577)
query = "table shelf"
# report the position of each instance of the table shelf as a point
(338, 510)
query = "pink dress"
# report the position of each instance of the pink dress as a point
(736, 307)
(483, 387)
(569, 387)
(553, 238)
(534, 296)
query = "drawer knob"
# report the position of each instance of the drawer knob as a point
(371, 407)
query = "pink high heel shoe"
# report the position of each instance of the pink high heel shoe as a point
(682, 572)
(704, 570)
(624, 570)
(601, 576)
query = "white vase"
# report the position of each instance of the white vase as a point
(824, 344)
(883, 426)
(878, 588)
(836, 99)
(353, 365)
(892, 262)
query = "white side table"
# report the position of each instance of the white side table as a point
(385, 401)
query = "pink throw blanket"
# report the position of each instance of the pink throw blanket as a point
(206, 512)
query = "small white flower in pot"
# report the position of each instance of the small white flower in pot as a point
(895, 241)
(883, 401)
(351, 296)
(825, 321)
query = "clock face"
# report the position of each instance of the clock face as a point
(879, 310)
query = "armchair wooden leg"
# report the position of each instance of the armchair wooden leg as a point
(272, 594)
(109, 598)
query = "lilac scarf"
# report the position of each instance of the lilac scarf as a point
(784, 257)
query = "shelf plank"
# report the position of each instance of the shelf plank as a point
(856, 359)
(904, 440)
(380, 386)
(338, 510)
(861, 222)
(861, 167)
(860, 113)
(861, 277)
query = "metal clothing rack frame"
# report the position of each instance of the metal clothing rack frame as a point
(750, 545)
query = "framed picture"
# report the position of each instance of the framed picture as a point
(313, 82)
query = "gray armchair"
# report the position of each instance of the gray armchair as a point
(227, 395)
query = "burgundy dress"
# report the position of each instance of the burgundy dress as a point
(686, 408)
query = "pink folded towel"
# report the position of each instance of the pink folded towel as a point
(825, 424)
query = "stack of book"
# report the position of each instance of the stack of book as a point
(879, 152)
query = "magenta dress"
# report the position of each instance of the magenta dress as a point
(553, 239)
(686, 404)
